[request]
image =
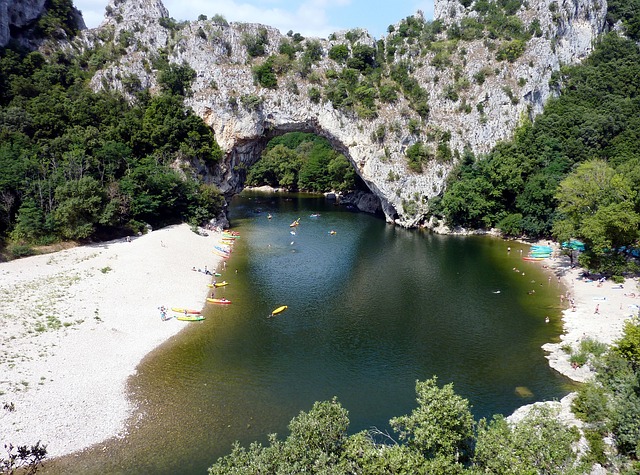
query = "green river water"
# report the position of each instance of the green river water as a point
(372, 309)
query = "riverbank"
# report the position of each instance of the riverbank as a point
(595, 309)
(75, 324)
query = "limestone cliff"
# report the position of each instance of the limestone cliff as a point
(17, 17)
(474, 86)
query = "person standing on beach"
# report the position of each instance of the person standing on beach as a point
(597, 309)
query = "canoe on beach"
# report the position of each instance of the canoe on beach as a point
(188, 311)
(221, 301)
(219, 284)
(190, 318)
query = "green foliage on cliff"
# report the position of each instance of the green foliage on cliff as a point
(627, 12)
(301, 161)
(255, 43)
(518, 187)
(58, 20)
(75, 164)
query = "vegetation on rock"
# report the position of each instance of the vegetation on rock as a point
(77, 164)
(572, 172)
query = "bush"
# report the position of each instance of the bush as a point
(251, 102)
(578, 359)
(17, 251)
(255, 44)
(511, 50)
(315, 95)
(339, 53)
(417, 154)
(265, 75)
(592, 347)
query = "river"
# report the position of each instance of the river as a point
(371, 309)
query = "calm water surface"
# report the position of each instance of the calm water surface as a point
(372, 309)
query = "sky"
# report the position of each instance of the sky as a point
(315, 18)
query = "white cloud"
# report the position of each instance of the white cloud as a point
(316, 18)
(309, 18)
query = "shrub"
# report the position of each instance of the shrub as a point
(251, 102)
(339, 53)
(416, 155)
(265, 75)
(511, 50)
(315, 95)
(20, 250)
(255, 44)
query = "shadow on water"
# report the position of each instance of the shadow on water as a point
(372, 308)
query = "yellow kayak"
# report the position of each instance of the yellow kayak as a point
(190, 318)
(182, 310)
(279, 310)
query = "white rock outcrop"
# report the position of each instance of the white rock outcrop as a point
(244, 115)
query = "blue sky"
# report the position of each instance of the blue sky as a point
(309, 17)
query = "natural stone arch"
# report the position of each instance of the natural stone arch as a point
(224, 77)
(231, 174)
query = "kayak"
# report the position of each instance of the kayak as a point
(222, 301)
(533, 258)
(218, 284)
(295, 223)
(190, 318)
(279, 310)
(221, 254)
(182, 310)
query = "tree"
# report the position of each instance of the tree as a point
(80, 205)
(314, 445)
(339, 53)
(597, 205)
(441, 426)
(177, 79)
(29, 222)
(24, 459)
(629, 345)
(539, 444)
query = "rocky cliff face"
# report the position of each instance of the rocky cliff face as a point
(475, 98)
(18, 16)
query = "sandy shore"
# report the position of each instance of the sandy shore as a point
(75, 324)
(599, 311)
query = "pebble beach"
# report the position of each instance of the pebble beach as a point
(75, 324)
